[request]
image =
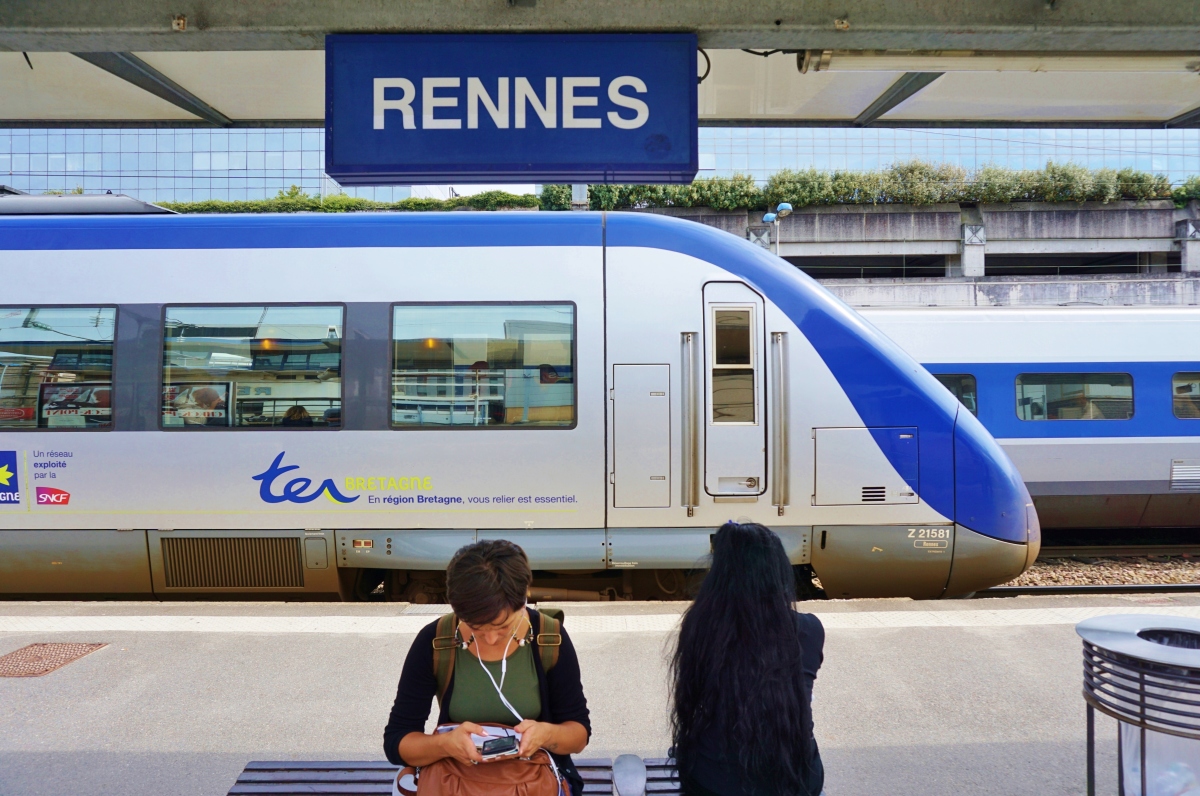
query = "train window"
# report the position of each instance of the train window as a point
(252, 367)
(1185, 389)
(1074, 396)
(733, 365)
(963, 387)
(483, 365)
(56, 367)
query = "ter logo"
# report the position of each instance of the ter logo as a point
(10, 485)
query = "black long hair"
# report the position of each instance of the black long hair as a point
(736, 669)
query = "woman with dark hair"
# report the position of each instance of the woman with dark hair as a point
(743, 673)
(494, 660)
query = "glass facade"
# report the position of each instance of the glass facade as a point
(762, 151)
(192, 165)
(173, 165)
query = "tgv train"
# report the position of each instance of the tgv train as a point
(1098, 407)
(331, 405)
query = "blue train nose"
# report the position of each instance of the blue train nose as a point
(997, 535)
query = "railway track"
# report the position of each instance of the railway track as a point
(1118, 551)
(1048, 591)
(1101, 555)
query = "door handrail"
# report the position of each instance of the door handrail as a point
(779, 422)
(689, 419)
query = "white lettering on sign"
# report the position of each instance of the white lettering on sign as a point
(498, 110)
(431, 101)
(438, 99)
(548, 113)
(641, 109)
(404, 104)
(571, 102)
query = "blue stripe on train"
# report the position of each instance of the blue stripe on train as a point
(1153, 412)
(300, 231)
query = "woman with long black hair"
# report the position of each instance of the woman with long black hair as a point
(743, 673)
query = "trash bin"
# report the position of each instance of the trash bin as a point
(1144, 671)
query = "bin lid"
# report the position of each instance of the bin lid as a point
(1132, 635)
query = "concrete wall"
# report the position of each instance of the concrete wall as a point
(966, 234)
(1015, 291)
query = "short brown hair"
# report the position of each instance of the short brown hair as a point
(485, 578)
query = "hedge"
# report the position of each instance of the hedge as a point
(912, 183)
(296, 201)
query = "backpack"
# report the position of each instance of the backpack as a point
(445, 642)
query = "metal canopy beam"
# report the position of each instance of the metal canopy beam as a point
(908, 84)
(129, 67)
(1189, 119)
(1029, 25)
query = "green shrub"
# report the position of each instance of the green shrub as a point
(296, 201)
(800, 188)
(555, 197)
(1186, 192)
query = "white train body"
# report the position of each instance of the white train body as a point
(634, 474)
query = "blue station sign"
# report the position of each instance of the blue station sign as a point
(420, 109)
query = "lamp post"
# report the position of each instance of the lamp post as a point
(782, 209)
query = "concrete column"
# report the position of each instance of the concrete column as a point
(1152, 262)
(954, 265)
(974, 240)
(579, 197)
(972, 261)
(1190, 259)
(1187, 231)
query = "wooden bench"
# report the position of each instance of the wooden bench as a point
(628, 775)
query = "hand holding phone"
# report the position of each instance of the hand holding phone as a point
(500, 747)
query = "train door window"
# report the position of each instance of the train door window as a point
(1074, 396)
(483, 366)
(1185, 390)
(261, 366)
(963, 387)
(733, 365)
(56, 367)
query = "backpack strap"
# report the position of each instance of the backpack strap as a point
(444, 647)
(549, 640)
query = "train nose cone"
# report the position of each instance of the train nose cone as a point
(981, 562)
(997, 534)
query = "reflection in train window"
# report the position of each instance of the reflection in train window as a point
(483, 365)
(733, 366)
(1074, 396)
(1185, 389)
(963, 387)
(56, 367)
(252, 367)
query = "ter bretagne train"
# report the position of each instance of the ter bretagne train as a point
(325, 406)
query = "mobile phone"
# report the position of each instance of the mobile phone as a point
(500, 747)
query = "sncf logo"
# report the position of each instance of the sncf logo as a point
(49, 496)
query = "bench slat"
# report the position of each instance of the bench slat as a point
(596, 775)
(317, 776)
(303, 789)
(320, 765)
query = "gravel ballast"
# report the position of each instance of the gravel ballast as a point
(1110, 571)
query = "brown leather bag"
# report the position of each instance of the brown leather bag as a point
(510, 776)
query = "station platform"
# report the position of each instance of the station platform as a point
(931, 698)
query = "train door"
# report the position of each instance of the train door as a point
(735, 428)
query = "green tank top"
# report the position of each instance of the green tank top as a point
(474, 697)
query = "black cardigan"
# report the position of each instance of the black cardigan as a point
(561, 692)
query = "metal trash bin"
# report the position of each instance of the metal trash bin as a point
(1144, 671)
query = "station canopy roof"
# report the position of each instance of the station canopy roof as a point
(909, 63)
